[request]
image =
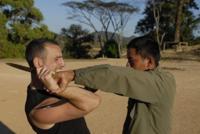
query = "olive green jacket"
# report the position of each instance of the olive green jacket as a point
(153, 90)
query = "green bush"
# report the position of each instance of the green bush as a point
(111, 49)
(8, 50)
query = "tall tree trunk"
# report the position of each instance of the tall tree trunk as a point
(120, 43)
(178, 23)
(101, 45)
(156, 14)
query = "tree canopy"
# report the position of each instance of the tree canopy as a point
(78, 41)
(110, 15)
(168, 12)
(20, 22)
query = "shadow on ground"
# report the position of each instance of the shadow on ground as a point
(4, 129)
(18, 66)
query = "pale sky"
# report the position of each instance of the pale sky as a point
(55, 15)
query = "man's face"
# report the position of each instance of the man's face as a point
(136, 61)
(53, 59)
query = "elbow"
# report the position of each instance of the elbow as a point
(96, 102)
(36, 118)
(93, 104)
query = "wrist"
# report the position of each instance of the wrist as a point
(64, 93)
(71, 75)
(61, 93)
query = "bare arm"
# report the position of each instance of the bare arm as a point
(81, 103)
(81, 98)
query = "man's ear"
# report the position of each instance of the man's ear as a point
(150, 63)
(37, 62)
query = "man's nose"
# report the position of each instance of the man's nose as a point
(61, 63)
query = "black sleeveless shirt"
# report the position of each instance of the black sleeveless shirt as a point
(75, 126)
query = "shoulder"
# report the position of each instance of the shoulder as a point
(166, 74)
(165, 79)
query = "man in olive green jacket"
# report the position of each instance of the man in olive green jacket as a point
(151, 89)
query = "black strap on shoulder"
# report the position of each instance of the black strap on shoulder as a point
(55, 104)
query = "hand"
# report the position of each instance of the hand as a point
(64, 78)
(46, 76)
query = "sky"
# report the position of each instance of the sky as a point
(55, 16)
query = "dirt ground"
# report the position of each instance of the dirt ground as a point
(108, 118)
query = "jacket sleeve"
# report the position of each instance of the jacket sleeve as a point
(140, 85)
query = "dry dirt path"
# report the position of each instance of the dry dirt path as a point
(109, 116)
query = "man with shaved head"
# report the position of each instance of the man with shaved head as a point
(58, 112)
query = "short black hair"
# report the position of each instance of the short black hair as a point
(36, 48)
(147, 47)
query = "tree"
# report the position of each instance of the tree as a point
(180, 4)
(111, 15)
(78, 38)
(111, 49)
(20, 22)
(185, 18)
(158, 19)
(156, 14)
(167, 21)
(3, 30)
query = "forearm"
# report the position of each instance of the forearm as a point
(82, 99)
(106, 78)
(55, 114)
(125, 81)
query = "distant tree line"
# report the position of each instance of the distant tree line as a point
(165, 20)
(19, 23)
(110, 15)
(170, 20)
